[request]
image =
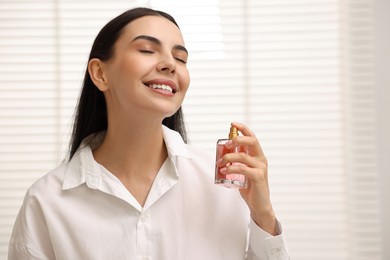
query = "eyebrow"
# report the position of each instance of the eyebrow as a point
(158, 42)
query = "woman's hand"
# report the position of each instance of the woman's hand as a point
(255, 167)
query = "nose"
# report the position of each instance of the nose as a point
(167, 64)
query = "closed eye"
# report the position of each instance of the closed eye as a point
(181, 60)
(146, 51)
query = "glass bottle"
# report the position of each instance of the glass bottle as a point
(229, 180)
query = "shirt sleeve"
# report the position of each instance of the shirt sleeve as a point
(30, 239)
(19, 251)
(264, 246)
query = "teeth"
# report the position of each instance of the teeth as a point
(163, 87)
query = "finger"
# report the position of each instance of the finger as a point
(242, 141)
(253, 174)
(251, 142)
(243, 129)
(235, 168)
(242, 158)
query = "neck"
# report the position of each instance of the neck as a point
(134, 153)
(132, 149)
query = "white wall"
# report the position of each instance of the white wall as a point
(382, 20)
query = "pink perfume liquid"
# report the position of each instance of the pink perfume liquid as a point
(228, 180)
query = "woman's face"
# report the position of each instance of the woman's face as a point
(147, 74)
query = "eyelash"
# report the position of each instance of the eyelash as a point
(180, 60)
(151, 52)
(146, 51)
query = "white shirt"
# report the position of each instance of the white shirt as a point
(82, 211)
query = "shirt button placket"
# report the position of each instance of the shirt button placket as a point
(144, 236)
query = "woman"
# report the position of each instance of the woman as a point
(133, 189)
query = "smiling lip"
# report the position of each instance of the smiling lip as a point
(162, 82)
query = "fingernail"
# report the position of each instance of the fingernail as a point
(228, 144)
(222, 170)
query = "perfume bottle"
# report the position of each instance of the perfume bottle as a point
(229, 180)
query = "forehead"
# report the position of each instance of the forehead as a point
(156, 26)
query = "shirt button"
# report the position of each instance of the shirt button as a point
(144, 217)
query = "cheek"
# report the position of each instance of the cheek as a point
(185, 80)
(127, 67)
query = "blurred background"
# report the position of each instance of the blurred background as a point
(310, 77)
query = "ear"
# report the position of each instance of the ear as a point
(96, 72)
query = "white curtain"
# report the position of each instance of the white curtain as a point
(300, 73)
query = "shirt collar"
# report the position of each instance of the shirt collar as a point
(83, 168)
(175, 144)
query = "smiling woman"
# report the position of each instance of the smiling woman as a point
(132, 188)
(107, 63)
(150, 42)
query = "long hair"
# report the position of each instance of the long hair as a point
(91, 111)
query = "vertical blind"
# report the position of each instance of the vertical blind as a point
(298, 72)
(361, 172)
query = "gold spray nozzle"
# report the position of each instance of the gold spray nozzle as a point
(233, 132)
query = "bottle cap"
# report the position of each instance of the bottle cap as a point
(233, 132)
